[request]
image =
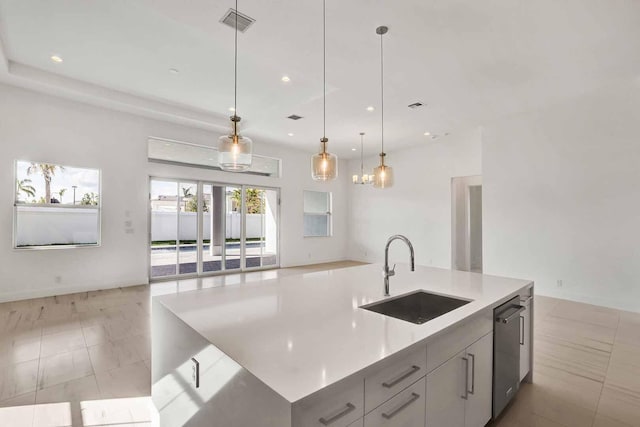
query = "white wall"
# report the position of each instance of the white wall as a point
(43, 128)
(561, 198)
(418, 205)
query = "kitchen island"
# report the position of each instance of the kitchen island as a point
(300, 351)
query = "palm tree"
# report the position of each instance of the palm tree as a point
(47, 171)
(186, 194)
(24, 185)
(61, 193)
(254, 201)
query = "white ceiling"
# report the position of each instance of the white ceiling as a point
(470, 61)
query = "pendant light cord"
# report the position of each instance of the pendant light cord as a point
(235, 69)
(324, 68)
(362, 154)
(382, 90)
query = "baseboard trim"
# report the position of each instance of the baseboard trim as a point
(65, 290)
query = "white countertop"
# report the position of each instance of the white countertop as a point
(299, 334)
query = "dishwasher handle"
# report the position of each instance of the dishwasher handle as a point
(510, 314)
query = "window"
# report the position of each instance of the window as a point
(317, 214)
(56, 206)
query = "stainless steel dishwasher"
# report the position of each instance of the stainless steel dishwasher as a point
(506, 353)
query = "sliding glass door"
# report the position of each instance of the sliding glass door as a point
(261, 237)
(200, 228)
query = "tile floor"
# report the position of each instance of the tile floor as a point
(83, 360)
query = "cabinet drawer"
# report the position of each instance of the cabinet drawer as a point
(406, 409)
(394, 375)
(359, 423)
(454, 340)
(338, 405)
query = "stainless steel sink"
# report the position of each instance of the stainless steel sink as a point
(417, 307)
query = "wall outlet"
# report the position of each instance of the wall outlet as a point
(57, 279)
(366, 254)
(309, 255)
(559, 283)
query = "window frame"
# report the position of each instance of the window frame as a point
(16, 205)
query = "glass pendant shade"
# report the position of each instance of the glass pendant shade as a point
(234, 150)
(383, 175)
(324, 165)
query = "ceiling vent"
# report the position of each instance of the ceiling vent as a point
(244, 21)
(415, 105)
(294, 117)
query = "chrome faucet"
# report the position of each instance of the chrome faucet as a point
(391, 272)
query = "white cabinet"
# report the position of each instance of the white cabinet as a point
(479, 356)
(393, 376)
(338, 405)
(459, 391)
(406, 409)
(525, 339)
(445, 388)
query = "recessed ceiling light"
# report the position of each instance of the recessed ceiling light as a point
(353, 149)
(56, 59)
(427, 133)
(290, 134)
(370, 108)
(232, 109)
(285, 79)
(174, 70)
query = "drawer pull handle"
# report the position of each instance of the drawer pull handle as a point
(473, 373)
(412, 370)
(465, 396)
(413, 398)
(348, 408)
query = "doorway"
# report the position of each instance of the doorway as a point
(466, 221)
(200, 228)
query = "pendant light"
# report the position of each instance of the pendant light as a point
(234, 150)
(324, 165)
(383, 174)
(363, 178)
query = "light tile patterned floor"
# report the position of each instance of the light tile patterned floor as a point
(83, 360)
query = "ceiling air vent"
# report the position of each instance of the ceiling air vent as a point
(294, 117)
(244, 21)
(415, 105)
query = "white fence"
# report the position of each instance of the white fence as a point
(48, 225)
(164, 226)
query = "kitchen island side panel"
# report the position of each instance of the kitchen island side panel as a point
(227, 394)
